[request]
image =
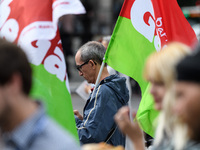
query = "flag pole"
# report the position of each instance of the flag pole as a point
(99, 75)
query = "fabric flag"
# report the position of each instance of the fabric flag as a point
(32, 24)
(143, 27)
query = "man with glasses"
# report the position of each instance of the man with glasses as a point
(97, 124)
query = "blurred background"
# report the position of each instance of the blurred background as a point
(99, 21)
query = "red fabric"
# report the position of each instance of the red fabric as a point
(28, 12)
(174, 23)
(126, 8)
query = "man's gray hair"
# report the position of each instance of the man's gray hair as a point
(92, 50)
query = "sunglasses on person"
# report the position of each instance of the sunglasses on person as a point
(78, 67)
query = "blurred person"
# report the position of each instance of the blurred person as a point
(101, 146)
(84, 22)
(66, 28)
(160, 72)
(105, 41)
(23, 122)
(97, 123)
(187, 105)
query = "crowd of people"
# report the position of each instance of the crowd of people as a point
(174, 75)
(167, 71)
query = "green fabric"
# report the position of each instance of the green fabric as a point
(146, 113)
(56, 97)
(127, 53)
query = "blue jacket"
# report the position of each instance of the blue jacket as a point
(109, 96)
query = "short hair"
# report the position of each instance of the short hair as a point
(13, 60)
(92, 50)
(160, 66)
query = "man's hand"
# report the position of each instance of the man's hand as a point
(76, 112)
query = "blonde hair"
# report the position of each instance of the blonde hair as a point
(160, 67)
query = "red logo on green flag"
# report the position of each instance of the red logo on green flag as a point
(143, 27)
(33, 26)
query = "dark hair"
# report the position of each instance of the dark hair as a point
(14, 60)
(93, 50)
(188, 69)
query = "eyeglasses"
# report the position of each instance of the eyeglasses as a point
(78, 67)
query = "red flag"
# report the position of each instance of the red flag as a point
(32, 24)
(143, 27)
(165, 18)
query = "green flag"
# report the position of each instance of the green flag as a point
(142, 27)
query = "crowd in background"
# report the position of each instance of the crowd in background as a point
(174, 74)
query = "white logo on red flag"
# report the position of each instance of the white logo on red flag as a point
(144, 21)
(33, 26)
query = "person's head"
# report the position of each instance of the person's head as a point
(105, 41)
(88, 60)
(187, 105)
(15, 79)
(160, 69)
(13, 61)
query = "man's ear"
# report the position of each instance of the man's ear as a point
(93, 64)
